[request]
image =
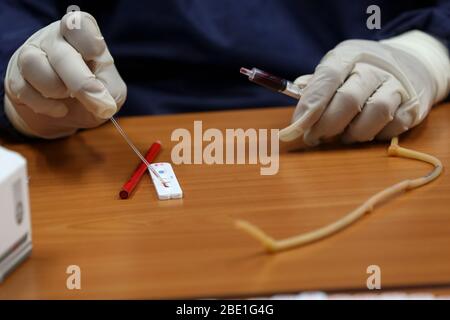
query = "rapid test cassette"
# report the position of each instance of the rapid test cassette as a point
(171, 189)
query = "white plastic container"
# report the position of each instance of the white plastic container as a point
(15, 225)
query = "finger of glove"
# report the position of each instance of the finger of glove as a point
(80, 81)
(403, 120)
(378, 112)
(25, 94)
(328, 76)
(89, 42)
(81, 30)
(303, 81)
(78, 117)
(37, 71)
(107, 73)
(346, 103)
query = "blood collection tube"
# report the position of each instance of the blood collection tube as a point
(272, 82)
(129, 186)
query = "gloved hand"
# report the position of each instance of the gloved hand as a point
(62, 79)
(363, 90)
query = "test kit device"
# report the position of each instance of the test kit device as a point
(15, 225)
(166, 185)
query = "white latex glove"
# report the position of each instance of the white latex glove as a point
(61, 80)
(363, 90)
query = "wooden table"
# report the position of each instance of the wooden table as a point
(145, 248)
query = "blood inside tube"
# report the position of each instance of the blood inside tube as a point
(265, 79)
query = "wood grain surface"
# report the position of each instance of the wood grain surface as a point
(145, 248)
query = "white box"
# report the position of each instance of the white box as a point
(15, 225)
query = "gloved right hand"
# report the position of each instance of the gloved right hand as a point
(62, 79)
(364, 90)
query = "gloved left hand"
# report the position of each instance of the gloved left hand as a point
(363, 89)
(63, 79)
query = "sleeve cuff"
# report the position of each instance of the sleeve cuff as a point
(431, 52)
